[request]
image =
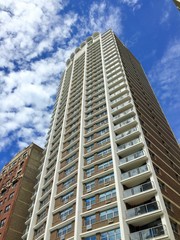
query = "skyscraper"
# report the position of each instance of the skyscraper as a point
(17, 180)
(110, 169)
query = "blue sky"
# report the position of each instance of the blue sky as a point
(37, 37)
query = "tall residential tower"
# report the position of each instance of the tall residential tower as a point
(110, 168)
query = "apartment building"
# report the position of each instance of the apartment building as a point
(111, 165)
(17, 180)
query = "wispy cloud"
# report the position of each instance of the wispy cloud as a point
(36, 39)
(164, 76)
(135, 4)
(30, 66)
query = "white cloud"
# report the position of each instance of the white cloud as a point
(36, 40)
(29, 29)
(165, 79)
(135, 4)
(102, 16)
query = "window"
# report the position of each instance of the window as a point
(102, 132)
(89, 159)
(101, 123)
(89, 172)
(104, 141)
(104, 152)
(88, 139)
(70, 170)
(90, 220)
(70, 159)
(89, 202)
(7, 208)
(72, 148)
(2, 222)
(106, 179)
(90, 238)
(69, 182)
(89, 148)
(107, 195)
(90, 186)
(111, 213)
(105, 165)
(65, 213)
(111, 235)
(66, 197)
(64, 230)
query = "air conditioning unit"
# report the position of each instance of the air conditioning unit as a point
(88, 207)
(110, 220)
(89, 227)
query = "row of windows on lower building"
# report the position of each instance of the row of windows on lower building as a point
(109, 235)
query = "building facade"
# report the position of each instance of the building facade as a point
(110, 169)
(17, 180)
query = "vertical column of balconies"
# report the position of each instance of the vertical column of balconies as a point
(38, 211)
(65, 200)
(139, 194)
(99, 213)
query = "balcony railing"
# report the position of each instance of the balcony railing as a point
(138, 189)
(126, 133)
(134, 172)
(123, 114)
(129, 144)
(121, 106)
(132, 157)
(148, 233)
(142, 209)
(120, 98)
(124, 123)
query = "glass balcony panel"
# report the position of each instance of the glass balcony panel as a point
(132, 157)
(124, 123)
(146, 208)
(128, 144)
(126, 133)
(134, 172)
(138, 189)
(148, 233)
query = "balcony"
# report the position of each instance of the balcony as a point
(133, 160)
(150, 233)
(143, 214)
(122, 107)
(118, 93)
(124, 115)
(125, 125)
(135, 176)
(140, 193)
(117, 87)
(120, 99)
(133, 132)
(129, 146)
